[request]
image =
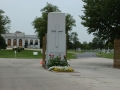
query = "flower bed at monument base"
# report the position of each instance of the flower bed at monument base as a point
(61, 69)
(58, 64)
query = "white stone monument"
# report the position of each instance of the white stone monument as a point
(56, 37)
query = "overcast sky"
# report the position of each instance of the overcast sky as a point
(23, 12)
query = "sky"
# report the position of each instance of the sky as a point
(23, 12)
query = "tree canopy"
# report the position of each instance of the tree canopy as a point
(102, 18)
(40, 23)
(4, 22)
(75, 40)
(4, 28)
(2, 43)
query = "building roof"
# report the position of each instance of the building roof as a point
(20, 35)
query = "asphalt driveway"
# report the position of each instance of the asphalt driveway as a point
(86, 55)
(90, 74)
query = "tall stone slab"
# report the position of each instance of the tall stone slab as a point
(56, 37)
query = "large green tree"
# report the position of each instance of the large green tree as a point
(4, 28)
(40, 23)
(75, 40)
(97, 43)
(102, 17)
(2, 43)
(85, 46)
(90, 45)
(4, 22)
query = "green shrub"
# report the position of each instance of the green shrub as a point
(14, 48)
(57, 61)
(18, 49)
(3, 44)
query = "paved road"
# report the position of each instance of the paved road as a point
(90, 74)
(86, 55)
(27, 74)
(96, 73)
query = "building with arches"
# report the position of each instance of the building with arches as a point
(19, 39)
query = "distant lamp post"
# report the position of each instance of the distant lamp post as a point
(15, 39)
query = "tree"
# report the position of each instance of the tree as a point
(78, 44)
(110, 45)
(74, 39)
(81, 46)
(2, 43)
(85, 46)
(95, 43)
(40, 23)
(102, 18)
(90, 45)
(4, 23)
(70, 22)
(4, 27)
(70, 45)
(101, 44)
(69, 42)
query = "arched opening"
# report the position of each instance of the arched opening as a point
(14, 42)
(9, 42)
(20, 42)
(36, 42)
(31, 42)
(26, 43)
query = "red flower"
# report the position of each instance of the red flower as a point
(50, 55)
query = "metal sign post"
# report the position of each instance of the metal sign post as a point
(15, 53)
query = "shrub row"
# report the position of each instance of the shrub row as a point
(18, 49)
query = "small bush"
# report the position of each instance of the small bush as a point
(57, 61)
(18, 49)
(14, 48)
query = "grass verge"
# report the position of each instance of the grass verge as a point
(106, 55)
(27, 54)
(22, 54)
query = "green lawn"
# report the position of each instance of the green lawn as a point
(29, 54)
(22, 54)
(26, 54)
(71, 56)
(106, 55)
